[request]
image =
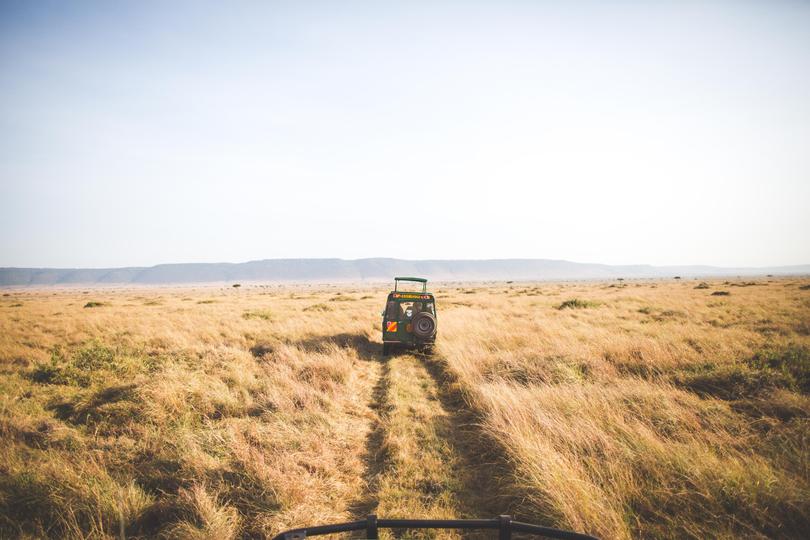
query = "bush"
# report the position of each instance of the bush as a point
(702, 285)
(721, 293)
(318, 307)
(79, 369)
(576, 303)
(792, 362)
(94, 304)
(263, 314)
(786, 367)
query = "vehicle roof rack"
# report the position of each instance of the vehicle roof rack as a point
(423, 281)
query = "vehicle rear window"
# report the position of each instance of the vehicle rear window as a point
(392, 311)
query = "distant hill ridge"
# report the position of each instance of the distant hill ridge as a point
(376, 269)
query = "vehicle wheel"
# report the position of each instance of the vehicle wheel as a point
(386, 349)
(424, 325)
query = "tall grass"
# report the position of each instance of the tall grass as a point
(613, 423)
(176, 422)
(659, 410)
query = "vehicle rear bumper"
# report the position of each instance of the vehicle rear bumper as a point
(411, 342)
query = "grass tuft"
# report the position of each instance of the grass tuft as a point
(206, 518)
(318, 307)
(576, 303)
(263, 314)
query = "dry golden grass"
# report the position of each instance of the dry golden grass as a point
(653, 410)
(640, 409)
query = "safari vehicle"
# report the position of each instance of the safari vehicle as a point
(409, 319)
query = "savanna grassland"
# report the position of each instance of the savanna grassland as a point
(622, 409)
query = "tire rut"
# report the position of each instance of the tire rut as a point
(485, 471)
(375, 458)
(425, 456)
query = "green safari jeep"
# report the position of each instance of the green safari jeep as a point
(409, 318)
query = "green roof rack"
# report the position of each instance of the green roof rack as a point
(423, 281)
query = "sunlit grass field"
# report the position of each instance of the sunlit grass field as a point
(622, 409)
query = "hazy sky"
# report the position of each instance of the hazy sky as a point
(136, 133)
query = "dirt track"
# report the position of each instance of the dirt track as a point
(422, 453)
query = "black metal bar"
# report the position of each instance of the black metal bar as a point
(504, 527)
(548, 532)
(371, 527)
(372, 524)
(437, 523)
(318, 530)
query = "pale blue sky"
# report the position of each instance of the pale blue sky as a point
(137, 133)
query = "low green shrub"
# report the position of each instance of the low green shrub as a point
(91, 362)
(792, 362)
(785, 367)
(576, 303)
(263, 314)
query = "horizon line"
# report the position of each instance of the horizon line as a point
(499, 259)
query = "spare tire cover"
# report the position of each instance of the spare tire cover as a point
(424, 324)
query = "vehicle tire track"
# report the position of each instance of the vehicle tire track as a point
(375, 454)
(424, 453)
(487, 474)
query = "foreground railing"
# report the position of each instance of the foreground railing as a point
(503, 524)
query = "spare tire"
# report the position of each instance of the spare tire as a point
(424, 325)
